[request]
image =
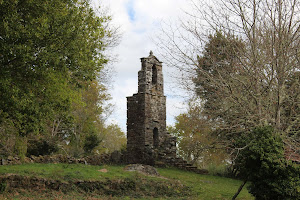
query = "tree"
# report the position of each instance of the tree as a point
(91, 141)
(87, 122)
(249, 83)
(48, 51)
(261, 161)
(216, 81)
(114, 139)
(197, 142)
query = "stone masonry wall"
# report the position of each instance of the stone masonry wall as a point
(135, 128)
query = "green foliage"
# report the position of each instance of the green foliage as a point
(21, 147)
(261, 161)
(196, 141)
(114, 139)
(51, 56)
(90, 142)
(7, 137)
(86, 118)
(218, 169)
(41, 147)
(47, 50)
(216, 66)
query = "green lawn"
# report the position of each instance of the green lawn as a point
(66, 171)
(207, 187)
(204, 187)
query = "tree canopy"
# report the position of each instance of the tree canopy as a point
(243, 60)
(51, 54)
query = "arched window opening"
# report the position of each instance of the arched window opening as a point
(154, 74)
(155, 138)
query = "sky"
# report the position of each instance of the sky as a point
(139, 21)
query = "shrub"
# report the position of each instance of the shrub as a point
(41, 147)
(90, 142)
(262, 162)
(21, 147)
(218, 169)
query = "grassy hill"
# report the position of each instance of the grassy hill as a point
(76, 181)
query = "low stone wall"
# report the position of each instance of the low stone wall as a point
(114, 158)
(165, 158)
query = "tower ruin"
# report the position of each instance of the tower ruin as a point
(146, 114)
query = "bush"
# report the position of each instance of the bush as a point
(41, 147)
(90, 142)
(262, 162)
(218, 169)
(21, 147)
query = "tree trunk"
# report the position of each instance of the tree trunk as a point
(239, 190)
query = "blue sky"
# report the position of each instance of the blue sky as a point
(130, 10)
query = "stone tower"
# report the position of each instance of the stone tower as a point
(146, 113)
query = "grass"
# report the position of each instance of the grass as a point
(206, 187)
(66, 171)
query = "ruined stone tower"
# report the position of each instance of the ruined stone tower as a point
(146, 113)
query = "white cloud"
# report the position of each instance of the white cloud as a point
(138, 20)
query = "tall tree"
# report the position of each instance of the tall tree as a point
(217, 80)
(48, 50)
(249, 85)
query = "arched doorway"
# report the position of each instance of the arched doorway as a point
(155, 137)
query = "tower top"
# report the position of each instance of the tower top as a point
(151, 58)
(151, 53)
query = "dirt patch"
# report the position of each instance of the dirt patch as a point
(103, 170)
